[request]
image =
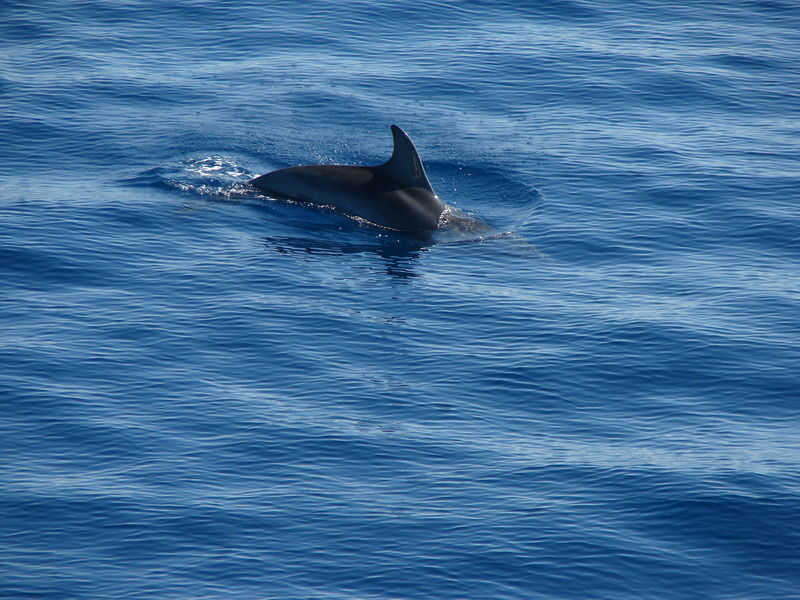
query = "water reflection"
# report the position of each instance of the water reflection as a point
(399, 253)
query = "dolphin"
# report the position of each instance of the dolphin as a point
(395, 195)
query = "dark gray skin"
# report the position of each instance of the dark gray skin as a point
(396, 195)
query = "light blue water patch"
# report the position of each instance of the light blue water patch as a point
(583, 386)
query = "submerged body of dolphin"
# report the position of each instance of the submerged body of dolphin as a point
(396, 195)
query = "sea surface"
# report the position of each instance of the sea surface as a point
(591, 392)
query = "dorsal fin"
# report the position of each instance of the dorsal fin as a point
(405, 165)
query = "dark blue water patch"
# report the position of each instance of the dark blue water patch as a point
(38, 135)
(734, 520)
(686, 90)
(57, 147)
(29, 267)
(132, 92)
(780, 11)
(53, 103)
(748, 63)
(24, 29)
(562, 11)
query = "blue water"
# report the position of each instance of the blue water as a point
(211, 394)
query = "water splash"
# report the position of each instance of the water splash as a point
(220, 177)
(217, 166)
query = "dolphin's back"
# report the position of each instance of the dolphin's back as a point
(338, 186)
(396, 195)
